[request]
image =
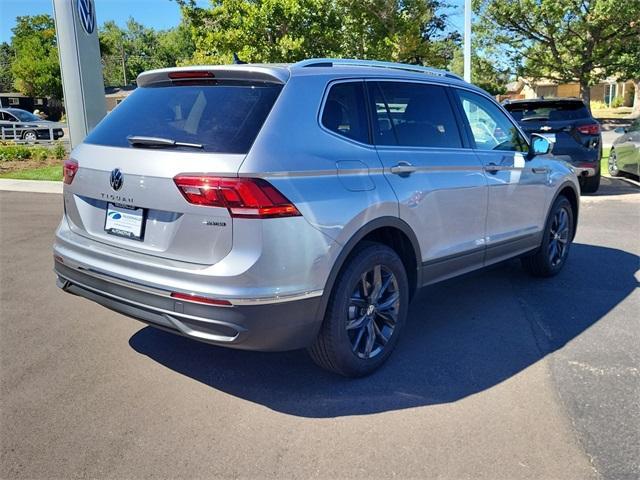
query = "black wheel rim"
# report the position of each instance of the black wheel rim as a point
(559, 237)
(613, 164)
(373, 312)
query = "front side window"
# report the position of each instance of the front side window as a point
(490, 128)
(413, 115)
(345, 111)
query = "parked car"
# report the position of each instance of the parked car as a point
(27, 126)
(276, 207)
(624, 157)
(572, 130)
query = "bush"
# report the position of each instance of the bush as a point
(597, 105)
(15, 152)
(617, 102)
(40, 154)
(59, 152)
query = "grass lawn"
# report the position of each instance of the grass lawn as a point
(604, 163)
(51, 172)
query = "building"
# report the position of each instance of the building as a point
(605, 92)
(18, 100)
(115, 95)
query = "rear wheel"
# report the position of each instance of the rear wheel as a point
(549, 259)
(30, 136)
(366, 312)
(590, 184)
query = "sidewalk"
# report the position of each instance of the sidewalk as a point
(33, 186)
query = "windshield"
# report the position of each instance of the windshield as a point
(222, 117)
(25, 116)
(547, 111)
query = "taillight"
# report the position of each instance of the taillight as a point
(591, 129)
(243, 197)
(69, 169)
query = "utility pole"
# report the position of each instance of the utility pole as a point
(467, 40)
(124, 66)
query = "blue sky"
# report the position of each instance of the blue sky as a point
(153, 13)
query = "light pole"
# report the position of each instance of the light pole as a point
(467, 40)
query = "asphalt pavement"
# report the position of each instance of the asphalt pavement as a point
(497, 376)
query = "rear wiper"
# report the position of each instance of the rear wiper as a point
(139, 141)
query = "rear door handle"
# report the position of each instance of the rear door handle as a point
(539, 170)
(403, 169)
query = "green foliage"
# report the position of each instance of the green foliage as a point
(35, 68)
(597, 105)
(6, 76)
(128, 52)
(12, 152)
(617, 102)
(576, 40)
(291, 30)
(484, 72)
(58, 151)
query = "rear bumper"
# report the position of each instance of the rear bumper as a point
(281, 324)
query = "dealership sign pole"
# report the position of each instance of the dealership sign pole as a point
(82, 81)
(467, 40)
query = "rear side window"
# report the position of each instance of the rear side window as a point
(345, 111)
(548, 111)
(224, 118)
(413, 115)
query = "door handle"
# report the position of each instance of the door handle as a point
(539, 170)
(492, 168)
(403, 169)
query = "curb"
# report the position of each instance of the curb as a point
(32, 186)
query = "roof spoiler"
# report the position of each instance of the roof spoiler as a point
(251, 73)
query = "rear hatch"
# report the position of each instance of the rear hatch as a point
(567, 123)
(120, 184)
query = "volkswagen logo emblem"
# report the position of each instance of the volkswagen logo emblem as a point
(117, 179)
(87, 14)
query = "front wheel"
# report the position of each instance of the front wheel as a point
(612, 164)
(549, 259)
(366, 312)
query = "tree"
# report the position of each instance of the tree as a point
(562, 40)
(36, 68)
(484, 72)
(128, 52)
(6, 59)
(291, 30)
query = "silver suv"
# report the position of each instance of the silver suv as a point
(275, 207)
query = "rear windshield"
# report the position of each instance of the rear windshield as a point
(548, 111)
(224, 118)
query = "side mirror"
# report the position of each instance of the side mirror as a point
(539, 145)
(620, 130)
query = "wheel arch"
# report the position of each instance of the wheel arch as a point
(390, 231)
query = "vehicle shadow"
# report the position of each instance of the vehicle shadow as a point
(463, 336)
(610, 186)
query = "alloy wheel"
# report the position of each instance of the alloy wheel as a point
(30, 137)
(373, 311)
(559, 234)
(613, 164)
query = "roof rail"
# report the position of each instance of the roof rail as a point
(330, 62)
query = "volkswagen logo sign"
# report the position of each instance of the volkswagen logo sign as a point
(117, 179)
(87, 14)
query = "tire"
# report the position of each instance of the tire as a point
(612, 164)
(547, 262)
(590, 184)
(357, 336)
(30, 136)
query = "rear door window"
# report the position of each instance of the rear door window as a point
(413, 115)
(548, 111)
(345, 111)
(223, 117)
